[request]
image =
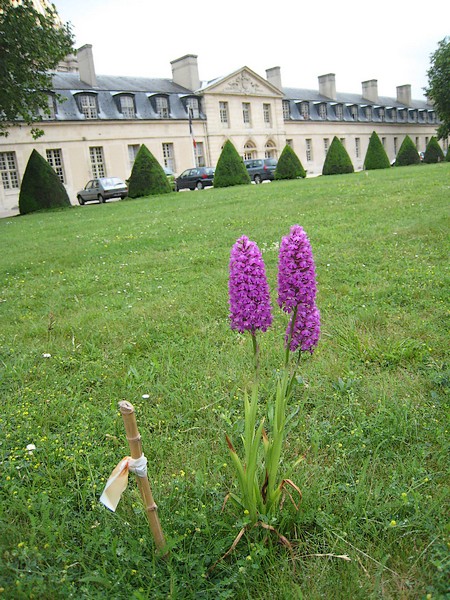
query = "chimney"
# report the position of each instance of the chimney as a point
(404, 94)
(327, 86)
(273, 76)
(185, 72)
(86, 65)
(370, 90)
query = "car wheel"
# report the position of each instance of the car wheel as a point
(80, 200)
(257, 179)
(199, 185)
(101, 199)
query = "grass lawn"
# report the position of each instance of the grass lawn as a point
(130, 299)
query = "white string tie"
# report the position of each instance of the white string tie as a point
(138, 466)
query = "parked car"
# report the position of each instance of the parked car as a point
(195, 179)
(261, 169)
(171, 178)
(102, 189)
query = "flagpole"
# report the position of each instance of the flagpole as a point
(191, 131)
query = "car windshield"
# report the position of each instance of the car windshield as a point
(112, 182)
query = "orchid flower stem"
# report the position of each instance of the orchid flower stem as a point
(255, 354)
(291, 333)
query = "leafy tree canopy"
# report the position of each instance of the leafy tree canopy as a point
(439, 85)
(31, 44)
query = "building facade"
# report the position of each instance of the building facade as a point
(96, 123)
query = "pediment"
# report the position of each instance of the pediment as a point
(244, 82)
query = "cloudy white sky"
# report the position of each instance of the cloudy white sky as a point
(387, 41)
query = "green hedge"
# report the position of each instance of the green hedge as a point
(230, 169)
(289, 165)
(337, 160)
(147, 176)
(41, 187)
(407, 155)
(376, 157)
(433, 152)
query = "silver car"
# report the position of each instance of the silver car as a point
(103, 189)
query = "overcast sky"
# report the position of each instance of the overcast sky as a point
(387, 41)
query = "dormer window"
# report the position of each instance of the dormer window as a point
(381, 113)
(87, 104)
(401, 114)
(394, 114)
(304, 110)
(354, 112)
(126, 105)
(193, 105)
(413, 115)
(286, 110)
(431, 116)
(423, 116)
(162, 106)
(339, 111)
(323, 110)
(368, 112)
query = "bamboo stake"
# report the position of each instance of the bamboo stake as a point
(135, 443)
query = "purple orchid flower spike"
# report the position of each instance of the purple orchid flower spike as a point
(250, 308)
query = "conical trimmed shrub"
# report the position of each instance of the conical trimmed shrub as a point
(433, 152)
(147, 176)
(337, 160)
(41, 187)
(289, 165)
(230, 169)
(407, 155)
(376, 157)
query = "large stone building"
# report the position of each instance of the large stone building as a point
(97, 123)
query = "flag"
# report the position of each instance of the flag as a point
(191, 131)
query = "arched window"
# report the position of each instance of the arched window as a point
(160, 104)
(193, 105)
(270, 150)
(126, 106)
(249, 150)
(87, 105)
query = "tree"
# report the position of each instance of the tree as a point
(438, 88)
(31, 44)
(433, 152)
(147, 176)
(407, 155)
(337, 160)
(376, 157)
(230, 169)
(41, 187)
(289, 165)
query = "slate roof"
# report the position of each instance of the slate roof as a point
(298, 94)
(143, 89)
(69, 85)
